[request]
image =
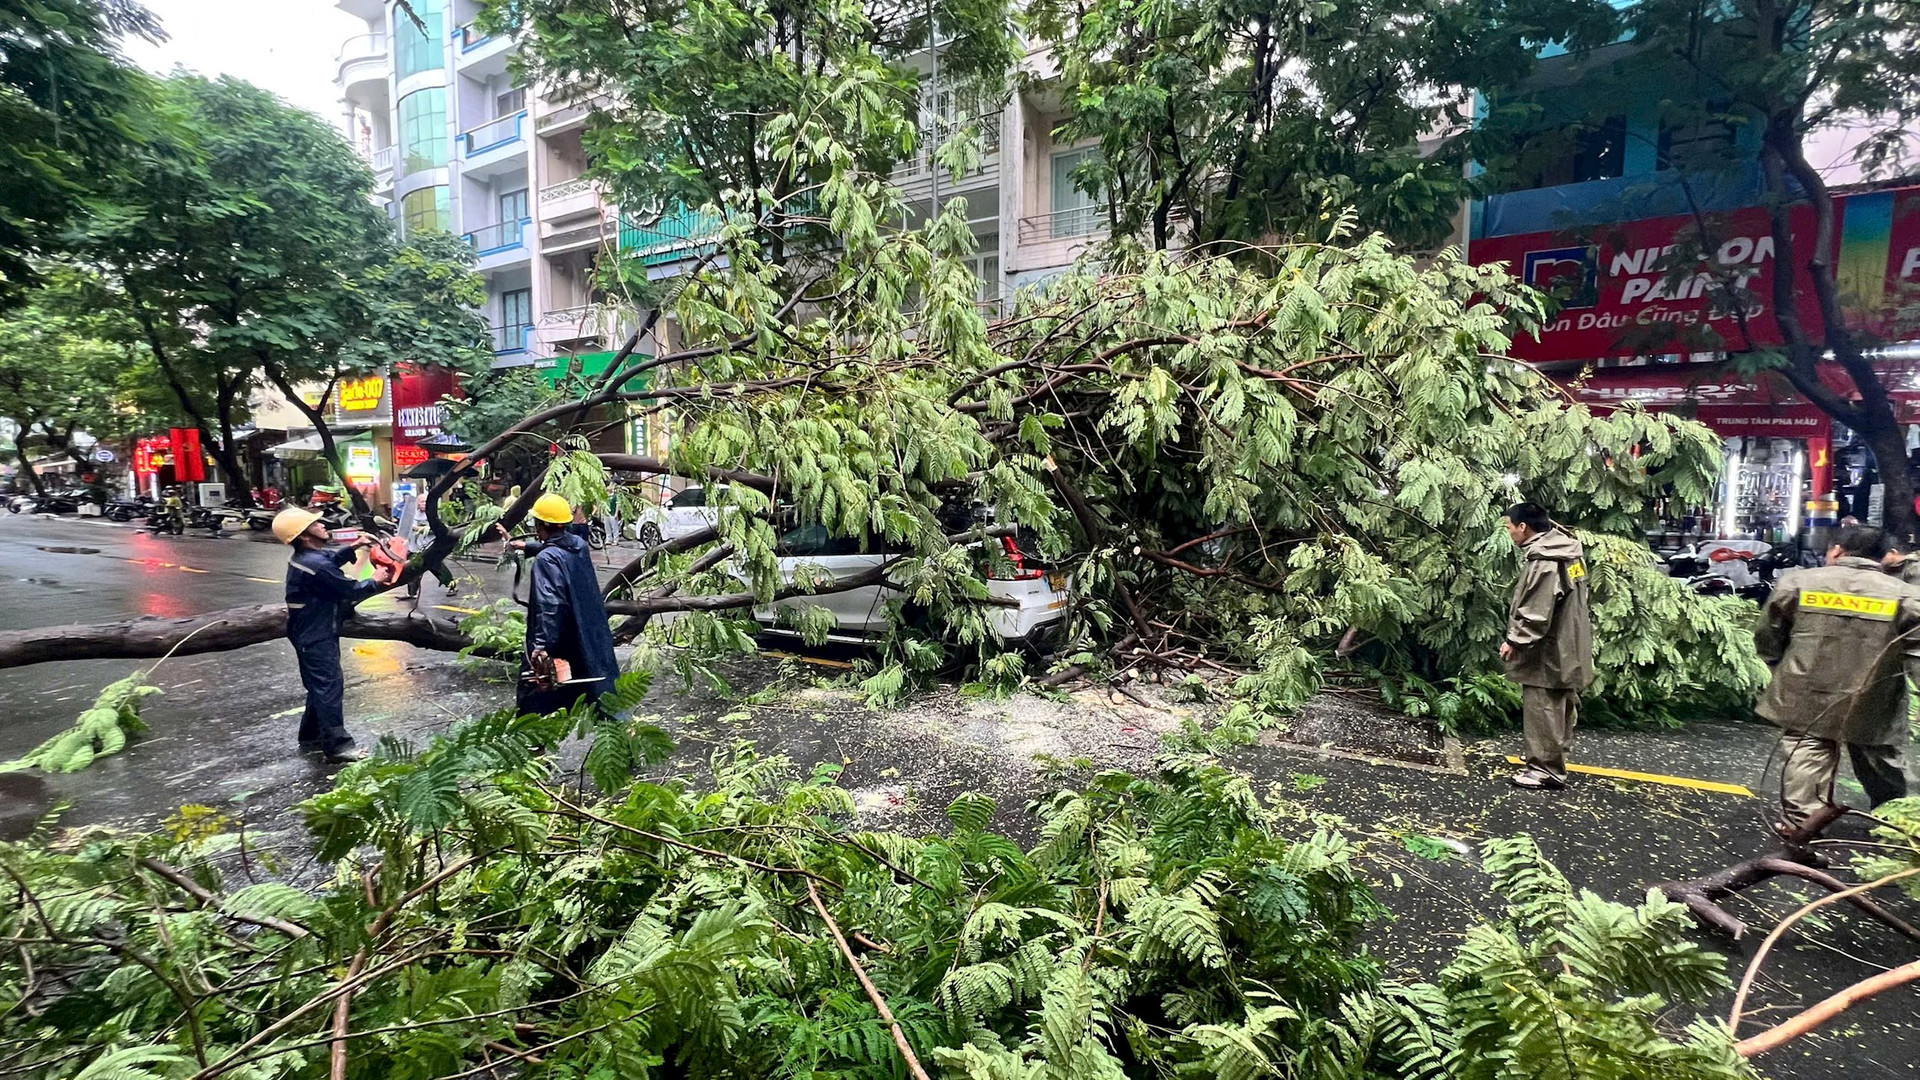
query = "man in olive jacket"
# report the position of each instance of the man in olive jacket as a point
(1842, 639)
(1549, 645)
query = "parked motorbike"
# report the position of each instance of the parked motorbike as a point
(59, 501)
(1766, 567)
(127, 507)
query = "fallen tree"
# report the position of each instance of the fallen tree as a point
(216, 631)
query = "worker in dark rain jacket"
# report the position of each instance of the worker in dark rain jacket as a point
(319, 598)
(1549, 644)
(569, 653)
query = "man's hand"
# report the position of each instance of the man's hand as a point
(1506, 650)
(517, 545)
(364, 540)
(542, 666)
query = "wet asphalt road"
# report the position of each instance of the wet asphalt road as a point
(223, 735)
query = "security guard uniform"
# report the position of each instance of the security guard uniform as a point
(1550, 630)
(1842, 641)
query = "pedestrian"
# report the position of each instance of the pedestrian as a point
(569, 647)
(1842, 639)
(320, 596)
(1549, 644)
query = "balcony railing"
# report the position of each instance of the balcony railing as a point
(362, 47)
(566, 189)
(1063, 224)
(492, 134)
(511, 338)
(574, 323)
(382, 162)
(930, 138)
(502, 237)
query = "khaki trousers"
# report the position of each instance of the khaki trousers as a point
(1809, 766)
(1549, 717)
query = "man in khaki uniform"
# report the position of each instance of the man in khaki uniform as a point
(1842, 640)
(1549, 645)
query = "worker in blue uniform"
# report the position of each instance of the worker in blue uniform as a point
(320, 597)
(569, 651)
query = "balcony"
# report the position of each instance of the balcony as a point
(603, 229)
(920, 166)
(500, 245)
(664, 238)
(510, 342)
(572, 325)
(381, 161)
(569, 198)
(1072, 223)
(363, 59)
(495, 141)
(479, 52)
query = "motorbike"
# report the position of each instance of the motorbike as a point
(1766, 567)
(61, 501)
(127, 507)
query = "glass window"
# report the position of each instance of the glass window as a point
(426, 210)
(423, 130)
(419, 46)
(692, 496)
(516, 308)
(1075, 212)
(510, 102)
(513, 205)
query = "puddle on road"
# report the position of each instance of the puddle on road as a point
(57, 550)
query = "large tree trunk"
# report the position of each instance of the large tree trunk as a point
(26, 466)
(239, 485)
(215, 631)
(329, 449)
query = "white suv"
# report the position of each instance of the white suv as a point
(1039, 594)
(686, 513)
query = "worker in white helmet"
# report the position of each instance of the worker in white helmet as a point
(320, 597)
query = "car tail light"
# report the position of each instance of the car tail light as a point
(1019, 560)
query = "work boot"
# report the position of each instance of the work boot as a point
(1537, 780)
(346, 755)
(308, 746)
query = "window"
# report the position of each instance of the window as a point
(419, 46)
(1075, 212)
(693, 496)
(510, 102)
(513, 205)
(425, 210)
(1703, 140)
(810, 541)
(423, 130)
(1573, 154)
(516, 308)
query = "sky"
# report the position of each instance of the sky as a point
(287, 46)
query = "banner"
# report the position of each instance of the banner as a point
(417, 412)
(188, 465)
(1621, 295)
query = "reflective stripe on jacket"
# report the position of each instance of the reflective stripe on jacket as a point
(1840, 640)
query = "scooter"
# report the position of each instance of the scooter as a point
(127, 507)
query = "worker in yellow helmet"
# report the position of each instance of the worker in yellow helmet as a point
(320, 596)
(569, 652)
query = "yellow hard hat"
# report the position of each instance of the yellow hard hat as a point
(552, 509)
(291, 522)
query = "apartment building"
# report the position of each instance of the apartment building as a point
(456, 144)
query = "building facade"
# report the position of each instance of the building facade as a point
(457, 145)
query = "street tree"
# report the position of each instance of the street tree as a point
(247, 253)
(1223, 121)
(65, 374)
(71, 110)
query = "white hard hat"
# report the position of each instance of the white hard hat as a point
(291, 522)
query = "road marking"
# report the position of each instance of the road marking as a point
(1655, 778)
(268, 580)
(820, 660)
(460, 610)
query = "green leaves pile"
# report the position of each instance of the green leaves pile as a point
(99, 732)
(481, 907)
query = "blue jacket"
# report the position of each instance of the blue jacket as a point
(320, 596)
(565, 615)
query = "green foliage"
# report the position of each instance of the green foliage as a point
(72, 110)
(1160, 926)
(1899, 832)
(499, 629)
(100, 731)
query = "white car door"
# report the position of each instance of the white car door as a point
(809, 551)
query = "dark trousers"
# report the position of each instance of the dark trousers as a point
(324, 724)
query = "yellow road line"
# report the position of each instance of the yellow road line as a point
(822, 661)
(268, 580)
(1655, 778)
(193, 570)
(460, 610)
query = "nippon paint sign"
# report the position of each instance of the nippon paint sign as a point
(1621, 293)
